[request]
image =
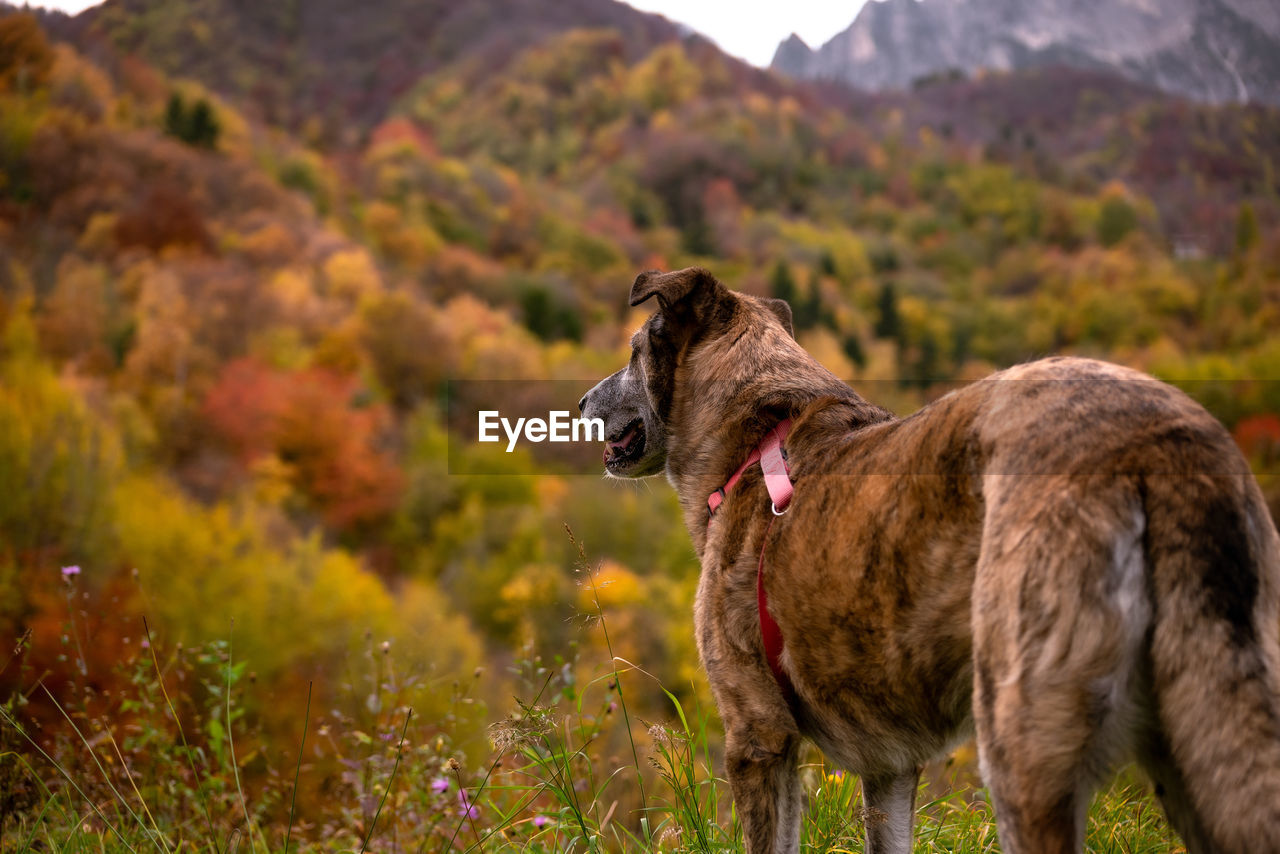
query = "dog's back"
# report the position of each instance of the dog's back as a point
(1075, 553)
(1125, 605)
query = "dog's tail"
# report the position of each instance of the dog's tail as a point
(1214, 751)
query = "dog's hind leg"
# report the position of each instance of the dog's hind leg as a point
(1059, 625)
(891, 812)
(1032, 752)
(763, 774)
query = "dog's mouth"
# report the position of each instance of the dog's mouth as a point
(626, 447)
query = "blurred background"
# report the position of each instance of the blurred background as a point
(245, 247)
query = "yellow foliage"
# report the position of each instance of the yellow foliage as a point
(270, 244)
(823, 345)
(99, 233)
(163, 348)
(281, 347)
(273, 480)
(495, 346)
(409, 243)
(534, 590)
(350, 274)
(292, 289)
(340, 349)
(664, 79)
(438, 638)
(845, 248)
(549, 491)
(613, 584)
(201, 570)
(56, 460)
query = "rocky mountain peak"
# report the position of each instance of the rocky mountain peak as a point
(1211, 50)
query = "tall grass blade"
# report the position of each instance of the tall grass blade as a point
(399, 752)
(293, 801)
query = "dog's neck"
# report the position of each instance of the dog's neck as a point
(715, 428)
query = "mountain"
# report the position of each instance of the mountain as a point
(1210, 50)
(332, 63)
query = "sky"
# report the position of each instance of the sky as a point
(748, 29)
(751, 29)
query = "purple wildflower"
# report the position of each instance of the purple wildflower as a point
(440, 785)
(68, 571)
(541, 821)
(468, 809)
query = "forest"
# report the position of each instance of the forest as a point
(256, 584)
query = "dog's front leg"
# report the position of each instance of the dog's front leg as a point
(891, 811)
(762, 766)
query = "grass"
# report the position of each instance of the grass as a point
(570, 769)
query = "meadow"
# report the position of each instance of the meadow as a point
(570, 768)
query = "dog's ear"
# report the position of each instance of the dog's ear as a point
(671, 288)
(782, 311)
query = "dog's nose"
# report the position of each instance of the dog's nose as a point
(582, 403)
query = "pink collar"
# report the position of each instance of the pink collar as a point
(773, 462)
(777, 480)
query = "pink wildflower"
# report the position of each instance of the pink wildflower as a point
(468, 809)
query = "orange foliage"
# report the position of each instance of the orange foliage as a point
(402, 131)
(243, 405)
(309, 420)
(82, 628)
(1259, 435)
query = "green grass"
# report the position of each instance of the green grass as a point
(571, 768)
(544, 790)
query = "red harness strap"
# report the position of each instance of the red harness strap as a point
(773, 463)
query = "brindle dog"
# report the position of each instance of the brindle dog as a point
(1070, 557)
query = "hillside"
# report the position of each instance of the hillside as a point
(1217, 51)
(324, 67)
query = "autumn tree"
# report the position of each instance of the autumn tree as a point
(313, 426)
(25, 56)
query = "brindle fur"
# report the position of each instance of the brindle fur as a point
(1070, 557)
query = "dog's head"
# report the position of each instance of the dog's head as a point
(636, 403)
